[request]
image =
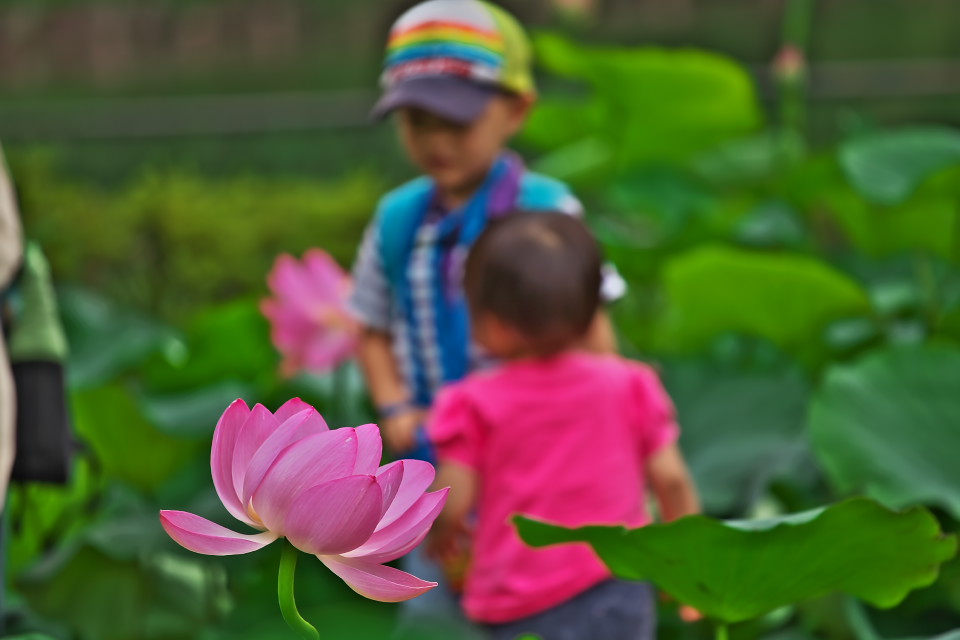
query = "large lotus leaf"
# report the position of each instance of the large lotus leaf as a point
(107, 339)
(558, 122)
(226, 342)
(127, 446)
(926, 222)
(887, 166)
(889, 425)
(656, 104)
(193, 413)
(738, 570)
(786, 299)
(882, 625)
(739, 430)
(750, 159)
(153, 598)
(950, 635)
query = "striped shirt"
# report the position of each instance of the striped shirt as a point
(374, 305)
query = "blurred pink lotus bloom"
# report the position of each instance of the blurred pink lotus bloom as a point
(310, 324)
(288, 474)
(790, 63)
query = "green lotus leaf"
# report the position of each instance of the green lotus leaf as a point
(887, 167)
(738, 570)
(652, 105)
(889, 425)
(786, 299)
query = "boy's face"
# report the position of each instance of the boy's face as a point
(458, 156)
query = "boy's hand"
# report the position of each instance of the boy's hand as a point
(686, 612)
(448, 542)
(400, 431)
(689, 614)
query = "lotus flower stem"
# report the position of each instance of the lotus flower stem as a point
(288, 606)
(721, 632)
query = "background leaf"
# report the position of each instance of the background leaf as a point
(887, 166)
(651, 104)
(739, 429)
(787, 299)
(128, 447)
(889, 425)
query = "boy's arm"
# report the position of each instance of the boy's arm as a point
(371, 303)
(672, 484)
(451, 530)
(379, 366)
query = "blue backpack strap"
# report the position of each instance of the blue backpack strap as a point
(543, 193)
(398, 217)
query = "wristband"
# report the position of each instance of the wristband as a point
(394, 409)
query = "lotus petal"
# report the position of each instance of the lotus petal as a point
(255, 430)
(376, 581)
(202, 536)
(294, 429)
(304, 464)
(310, 322)
(403, 535)
(335, 516)
(294, 406)
(369, 450)
(418, 475)
(221, 458)
(389, 477)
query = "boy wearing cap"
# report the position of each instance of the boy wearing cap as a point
(458, 79)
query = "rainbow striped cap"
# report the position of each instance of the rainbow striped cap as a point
(451, 56)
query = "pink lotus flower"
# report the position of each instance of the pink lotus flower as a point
(287, 474)
(310, 325)
(790, 63)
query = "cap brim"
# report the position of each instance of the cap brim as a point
(450, 97)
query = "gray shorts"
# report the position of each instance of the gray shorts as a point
(612, 610)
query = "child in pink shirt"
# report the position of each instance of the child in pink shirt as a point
(555, 433)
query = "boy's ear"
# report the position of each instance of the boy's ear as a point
(521, 104)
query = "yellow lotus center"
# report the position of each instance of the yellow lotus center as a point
(253, 515)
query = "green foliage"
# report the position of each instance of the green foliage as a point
(106, 339)
(738, 570)
(162, 597)
(740, 429)
(927, 222)
(787, 299)
(887, 167)
(41, 516)
(109, 419)
(193, 240)
(645, 105)
(887, 425)
(210, 350)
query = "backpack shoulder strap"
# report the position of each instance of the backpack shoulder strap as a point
(398, 215)
(543, 193)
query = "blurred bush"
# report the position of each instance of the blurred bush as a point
(172, 241)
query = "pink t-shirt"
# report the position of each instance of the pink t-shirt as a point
(563, 439)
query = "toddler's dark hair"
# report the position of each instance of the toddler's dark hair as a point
(540, 274)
